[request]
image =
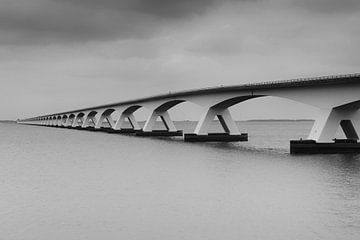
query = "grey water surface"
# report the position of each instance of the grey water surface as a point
(70, 184)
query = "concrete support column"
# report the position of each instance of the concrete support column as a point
(68, 122)
(131, 118)
(76, 121)
(64, 121)
(224, 117)
(165, 118)
(87, 121)
(108, 118)
(349, 129)
(328, 122)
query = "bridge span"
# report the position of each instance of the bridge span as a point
(336, 97)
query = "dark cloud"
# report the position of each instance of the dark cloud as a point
(27, 22)
(158, 8)
(330, 6)
(58, 21)
(41, 21)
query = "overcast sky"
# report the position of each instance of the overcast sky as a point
(58, 55)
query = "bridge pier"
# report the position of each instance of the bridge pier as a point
(121, 120)
(70, 121)
(321, 138)
(78, 121)
(231, 131)
(148, 129)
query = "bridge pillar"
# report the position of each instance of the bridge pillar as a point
(59, 122)
(329, 120)
(64, 121)
(224, 117)
(148, 129)
(201, 133)
(320, 139)
(76, 121)
(55, 122)
(88, 119)
(131, 118)
(349, 129)
(165, 118)
(106, 117)
(68, 122)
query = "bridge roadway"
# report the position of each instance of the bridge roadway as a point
(336, 97)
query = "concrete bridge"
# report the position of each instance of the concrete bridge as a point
(336, 97)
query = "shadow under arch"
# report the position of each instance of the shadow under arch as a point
(106, 114)
(90, 117)
(131, 109)
(169, 104)
(108, 111)
(235, 100)
(77, 118)
(92, 113)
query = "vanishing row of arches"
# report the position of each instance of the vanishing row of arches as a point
(97, 118)
(216, 106)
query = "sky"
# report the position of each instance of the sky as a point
(58, 55)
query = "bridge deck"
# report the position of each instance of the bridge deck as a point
(292, 83)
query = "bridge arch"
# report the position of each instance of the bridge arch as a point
(90, 117)
(105, 114)
(131, 109)
(235, 100)
(128, 114)
(64, 120)
(169, 104)
(54, 120)
(58, 122)
(79, 117)
(71, 119)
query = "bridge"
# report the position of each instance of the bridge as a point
(336, 97)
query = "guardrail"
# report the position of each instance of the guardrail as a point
(251, 86)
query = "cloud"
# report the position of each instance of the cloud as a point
(158, 8)
(44, 22)
(56, 54)
(168, 9)
(330, 6)
(29, 22)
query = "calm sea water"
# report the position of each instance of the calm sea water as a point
(68, 184)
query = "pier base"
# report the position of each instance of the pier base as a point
(313, 147)
(216, 137)
(122, 131)
(159, 133)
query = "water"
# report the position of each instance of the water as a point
(68, 184)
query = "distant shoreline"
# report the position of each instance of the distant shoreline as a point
(262, 120)
(279, 120)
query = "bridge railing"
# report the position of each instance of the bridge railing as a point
(302, 80)
(251, 86)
